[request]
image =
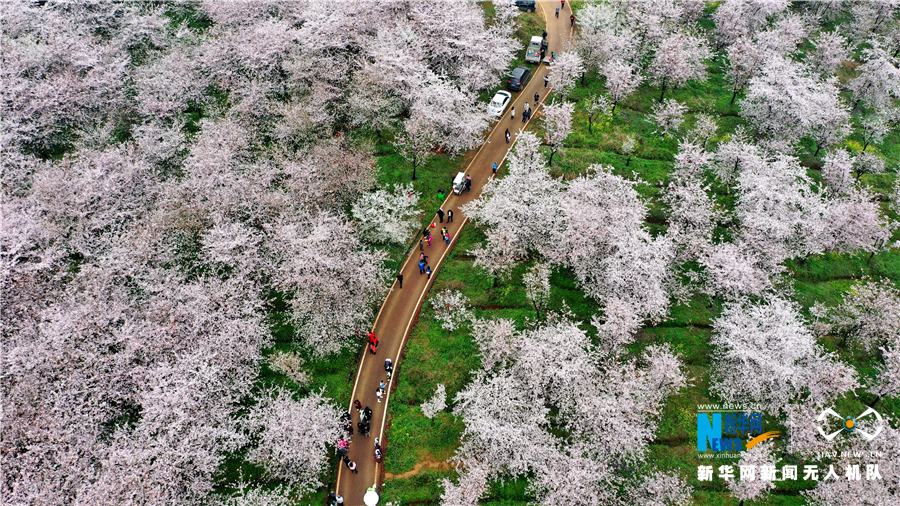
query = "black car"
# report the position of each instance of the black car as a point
(525, 5)
(518, 78)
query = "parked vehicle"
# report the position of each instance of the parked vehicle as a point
(536, 49)
(499, 103)
(459, 183)
(518, 78)
(526, 5)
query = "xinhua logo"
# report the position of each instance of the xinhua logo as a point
(850, 424)
(712, 429)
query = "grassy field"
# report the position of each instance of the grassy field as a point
(435, 356)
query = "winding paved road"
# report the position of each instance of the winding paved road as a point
(400, 308)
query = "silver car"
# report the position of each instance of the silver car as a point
(499, 103)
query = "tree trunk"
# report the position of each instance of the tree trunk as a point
(613, 112)
(627, 161)
(582, 77)
(590, 123)
(734, 96)
(818, 147)
(662, 93)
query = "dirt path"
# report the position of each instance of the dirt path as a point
(400, 308)
(422, 464)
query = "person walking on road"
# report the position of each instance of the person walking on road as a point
(468, 183)
(512, 114)
(449, 215)
(557, 12)
(507, 136)
(447, 239)
(546, 81)
(423, 257)
(421, 267)
(440, 214)
(400, 279)
(357, 405)
(494, 169)
(421, 245)
(339, 500)
(563, 3)
(429, 239)
(351, 465)
(537, 98)
(428, 271)
(378, 393)
(572, 20)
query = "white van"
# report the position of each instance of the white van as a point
(459, 183)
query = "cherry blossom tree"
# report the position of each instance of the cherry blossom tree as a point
(785, 33)
(436, 404)
(564, 70)
(582, 463)
(332, 174)
(869, 489)
(784, 103)
(471, 486)
(750, 489)
(888, 382)
(693, 216)
(830, 52)
(875, 127)
(59, 78)
(878, 79)
(745, 57)
(622, 79)
(733, 270)
(678, 59)
(769, 341)
(310, 256)
(868, 162)
(704, 129)
(837, 171)
(668, 115)
(597, 106)
(415, 142)
(496, 341)
(451, 307)
(867, 316)
(291, 365)
(387, 216)
(558, 124)
(502, 203)
(293, 436)
(628, 147)
(537, 287)
(740, 18)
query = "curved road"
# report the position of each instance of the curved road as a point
(400, 308)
